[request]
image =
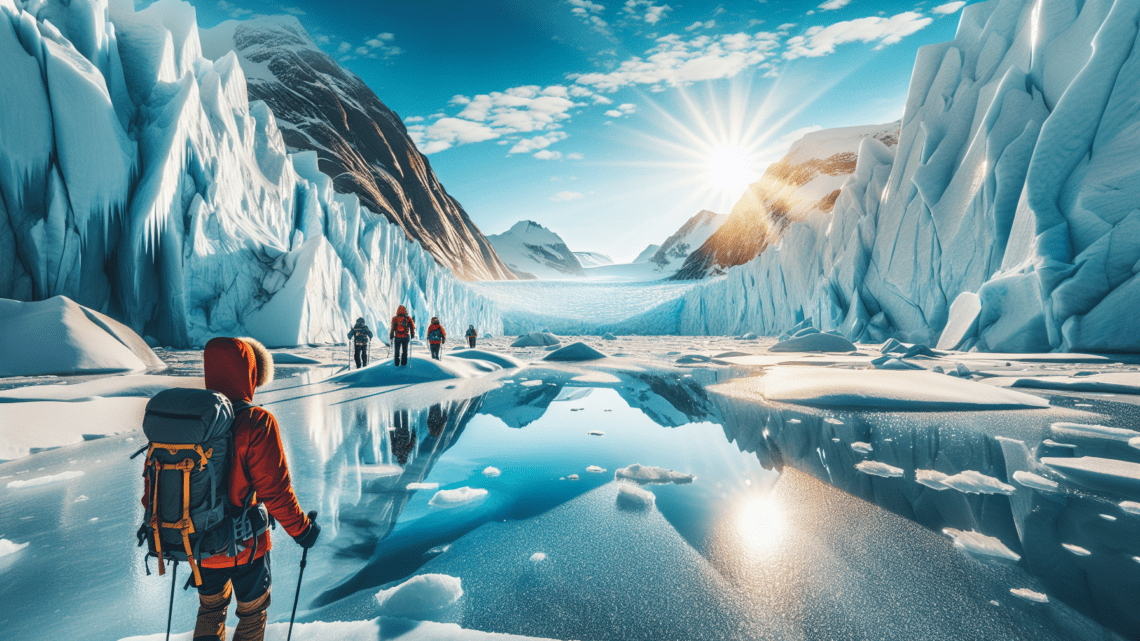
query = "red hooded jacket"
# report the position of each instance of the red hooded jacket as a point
(231, 368)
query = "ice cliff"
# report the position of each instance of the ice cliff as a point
(138, 180)
(1008, 216)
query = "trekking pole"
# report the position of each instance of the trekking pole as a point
(170, 612)
(304, 557)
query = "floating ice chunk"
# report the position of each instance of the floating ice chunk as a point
(458, 496)
(502, 360)
(794, 421)
(648, 474)
(573, 477)
(595, 432)
(630, 497)
(833, 421)
(932, 479)
(1035, 481)
(422, 486)
(1098, 473)
(437, 550)
(836, 440)
(973, 482)
(862, 448)
(81, 498)
(876, 468)
(1108, 517)
(1029, 595)
(492, 471)
(530, 383)
(538, 557)
(1134, 442)
(595, 469)
(1132, 507)
(420, 594)
(1080, 431)
(45, 480)
(1076, 549)
(978, 543)
(10, 547)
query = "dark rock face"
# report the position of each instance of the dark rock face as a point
(788, 191)
(359, 141)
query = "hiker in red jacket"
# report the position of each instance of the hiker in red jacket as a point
(258, 473)
(436, 337)
(401, 333)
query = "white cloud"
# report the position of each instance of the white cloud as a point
(821, 41)
(233, 10)
(414, 119)
(448, 132)
(547, 154)
(536, 143)
(344, 47)
(374, 47)
(832, 5)
(614, 113)
(322, 39)
(948, 8)
(296, 11)
(564, 196)
(622, 110)
(590, 12)
(675, 61)
(702, 25)
(574, 155)
(652, 14)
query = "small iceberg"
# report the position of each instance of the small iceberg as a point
(420, 594)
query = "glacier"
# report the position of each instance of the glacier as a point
(1007, 217)
(138, 180)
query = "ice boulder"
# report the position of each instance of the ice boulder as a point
(818, 342)
(747, 337)
(502, 360)
(421, 594)
(635, 499)
(962, 322)
(418, 370)
(575, 352)
(59, 336)
(536, 339)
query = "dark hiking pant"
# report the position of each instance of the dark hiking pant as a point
(360, 355)
(250, 582)
(400, 345)
(435, 350)
(471, 341)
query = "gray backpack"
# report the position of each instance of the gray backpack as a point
(189, 516)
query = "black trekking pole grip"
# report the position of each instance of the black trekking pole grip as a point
(304, 558)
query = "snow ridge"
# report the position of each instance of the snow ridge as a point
(142, 183)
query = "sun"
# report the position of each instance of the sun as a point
(730, 169)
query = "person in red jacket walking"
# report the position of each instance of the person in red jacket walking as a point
(258, 471)
(436, 337)
(401, 333)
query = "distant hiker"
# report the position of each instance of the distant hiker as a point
(403, 438)
(471, 335)
(360, 336)
(401, 333)
(232, 557)
(436, 337)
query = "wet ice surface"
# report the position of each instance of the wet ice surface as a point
(817, 551)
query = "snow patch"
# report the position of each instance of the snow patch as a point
(456, 497)
(420, 594)
(45, 480)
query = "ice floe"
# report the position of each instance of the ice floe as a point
(861, 447)
(1029, 595)
(979, 543)
(492, 471)
(974, 482)
(575, 352)
(420, 594)
(819, 342)
(538, 557)
(595, 469)
(650, 474)
(1132, 507)
(1076, 549)
(630, 497)
(10, 547)
(1035, 481)
(422, 486)
(876, 468)
(456, 497)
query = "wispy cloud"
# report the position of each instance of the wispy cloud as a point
(647, 11)
(547, 154)
(233, 10)
(375, 47)
(821, 41)
(702, 25)
(948, 8)
(564, 196)
(832, 5)
(622, 110)
(675, 61)
(590, 14)
(296, 11)
(527, 145)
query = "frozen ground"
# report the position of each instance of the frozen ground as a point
(781, 534)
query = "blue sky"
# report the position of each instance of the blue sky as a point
(600, 118)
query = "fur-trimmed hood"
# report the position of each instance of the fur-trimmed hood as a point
(236, 367)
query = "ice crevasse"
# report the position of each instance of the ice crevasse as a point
(138, 180)
(1008, 216)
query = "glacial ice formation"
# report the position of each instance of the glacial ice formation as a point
(1007, 218)
(139, 181)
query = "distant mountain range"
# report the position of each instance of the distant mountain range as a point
(359, 141)
(532, 251)
(691, 236)
(804, 182)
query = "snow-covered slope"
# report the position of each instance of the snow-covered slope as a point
(139, 181)
(531, 250)
(1010, 206)
(804, 184)
(646, 254)
(676, 249)
(593, 259)
(358, 140)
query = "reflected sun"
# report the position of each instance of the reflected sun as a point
(760, 523)
(730, 169)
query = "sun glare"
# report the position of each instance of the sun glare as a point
(730, 169)
(760, 523)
